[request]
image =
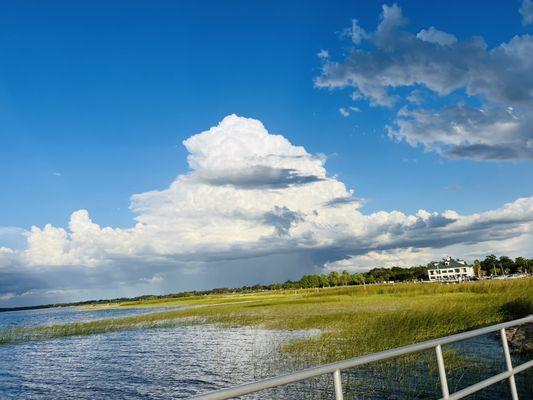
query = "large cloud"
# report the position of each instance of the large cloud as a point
(495, 134)
(497, 82)
(235, 219)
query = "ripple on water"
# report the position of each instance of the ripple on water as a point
(157, 364)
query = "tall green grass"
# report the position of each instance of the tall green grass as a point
(352, 320)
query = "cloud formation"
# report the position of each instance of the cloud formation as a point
(234, 218)
(494, 122)
(526, 10)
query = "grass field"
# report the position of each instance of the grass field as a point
(353, 320)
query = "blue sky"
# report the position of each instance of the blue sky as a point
(104, 93)
(97, 97)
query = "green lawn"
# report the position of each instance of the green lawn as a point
(353, 320)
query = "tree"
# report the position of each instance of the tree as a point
(345, 277)
(507, 264)
(478, 270)
(324, 280)
(420, 273)
(289, 285)
(401, 274)
(529, 265)
(357, 279)
(334, 278)
(310, 281)
(489, 264)
(520, 264)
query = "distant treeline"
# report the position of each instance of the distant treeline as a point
(490, 266)
(493, 265)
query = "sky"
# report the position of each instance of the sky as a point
(154, 147)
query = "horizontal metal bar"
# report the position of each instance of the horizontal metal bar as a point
(522, 367)
(489, 381)
(353, 362)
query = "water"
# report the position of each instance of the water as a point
(177, 362)
(58, 315)
(165, 363)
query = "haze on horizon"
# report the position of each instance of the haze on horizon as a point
(195, 151)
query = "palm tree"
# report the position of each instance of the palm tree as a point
(333, 278)
(345, 277)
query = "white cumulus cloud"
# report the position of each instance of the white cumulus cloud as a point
(251, 203)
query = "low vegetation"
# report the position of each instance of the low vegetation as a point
(352, 320)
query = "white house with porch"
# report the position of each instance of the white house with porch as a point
(450, 270)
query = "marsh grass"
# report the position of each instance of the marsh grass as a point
(353, 320)
(350, 321)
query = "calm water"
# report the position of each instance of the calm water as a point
(177, 362)
(49, 316)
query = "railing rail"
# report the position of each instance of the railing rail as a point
(336, 368)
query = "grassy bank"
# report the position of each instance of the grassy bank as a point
(353, 320)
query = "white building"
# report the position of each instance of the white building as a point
(450, 270)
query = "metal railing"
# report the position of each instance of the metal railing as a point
(337, 367)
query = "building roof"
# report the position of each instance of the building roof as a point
(447, 263)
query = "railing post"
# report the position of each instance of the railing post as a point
(442, 373)
(509, 364)
(337, 384)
